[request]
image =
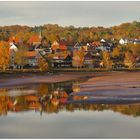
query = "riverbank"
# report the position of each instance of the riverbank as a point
(100, 80)
(16, 79)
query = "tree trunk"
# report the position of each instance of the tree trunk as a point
(4, 67)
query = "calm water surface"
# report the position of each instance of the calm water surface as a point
(57, 111)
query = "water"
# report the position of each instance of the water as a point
(59, 111)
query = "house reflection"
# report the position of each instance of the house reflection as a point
(53, 98)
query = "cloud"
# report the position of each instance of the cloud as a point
(68, 13)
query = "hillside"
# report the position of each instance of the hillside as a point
(72, 34)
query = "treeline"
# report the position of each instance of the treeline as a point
(72, 34)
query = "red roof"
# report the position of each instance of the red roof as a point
(95, 43)
(63, 100)
(34, 38)
(63, 47)
(31, 53)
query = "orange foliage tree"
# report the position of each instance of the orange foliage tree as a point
(4, 55)
(78, 58)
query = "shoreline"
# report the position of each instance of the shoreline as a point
(27, 78)
(100, 80)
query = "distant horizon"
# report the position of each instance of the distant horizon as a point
(67, 13)
(67, 25)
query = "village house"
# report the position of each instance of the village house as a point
(77, 46)
(47, 48)
(32, 57)
(62, 61)
(13, 49)
(55, 47)
(122, 41)
(13, 42)
(88, 60)
(125, 41)
(105, 45)
(136, 41)
(93, 46)
(62, 47)
(34, 40)
(58, 47)
(70, 47)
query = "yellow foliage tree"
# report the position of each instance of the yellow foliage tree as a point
(136, 50)
(78, 58)
(20, 56)
(116, 52)
(107, 60)
(129, 60)
(43, 65)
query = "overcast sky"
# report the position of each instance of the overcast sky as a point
(69, 13)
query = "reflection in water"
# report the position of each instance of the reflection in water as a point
(53, 98)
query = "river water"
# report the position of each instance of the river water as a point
(58, 111)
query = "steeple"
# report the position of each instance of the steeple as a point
(40, 34)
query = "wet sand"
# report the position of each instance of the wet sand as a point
(113, 87)
(45, 78)
(112, 80)
(96, 80)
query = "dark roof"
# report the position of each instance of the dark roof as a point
(88, 56)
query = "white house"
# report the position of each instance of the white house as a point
(123, 41)
(102, 40)
(13, 47)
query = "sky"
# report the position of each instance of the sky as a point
(66, 13)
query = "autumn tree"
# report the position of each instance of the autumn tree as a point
(135, 49)
(78, 58)
(130, 59)
(117, 56)
(43, 64)
(20, 57)
(116, 52)
(107, 62)
(4, 55)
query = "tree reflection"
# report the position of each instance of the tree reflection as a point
(53, 98)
